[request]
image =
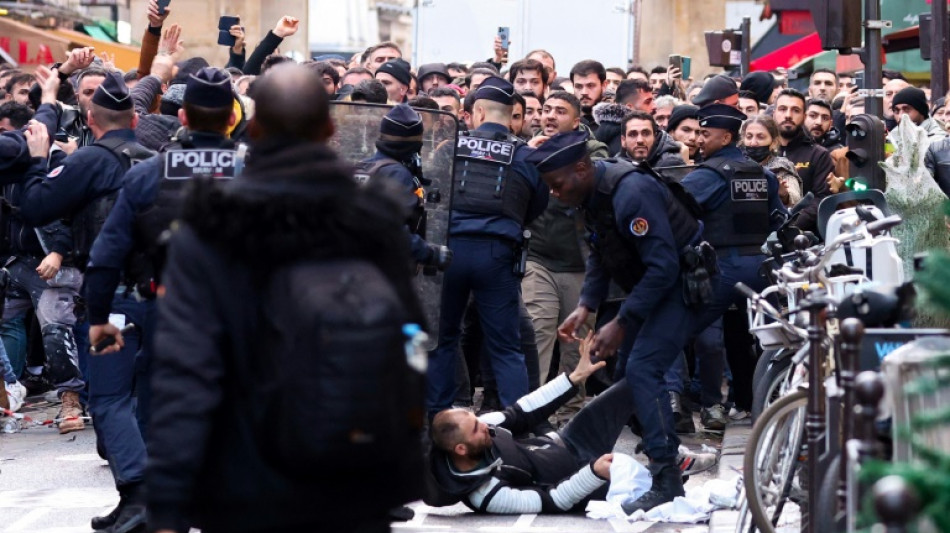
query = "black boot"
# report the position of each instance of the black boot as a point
(667, 484)
(131, 515)
(99, 523)
(682, 418)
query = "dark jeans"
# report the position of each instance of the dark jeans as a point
(594, 430)
(482, 268)
(13, 334)
(111, 381)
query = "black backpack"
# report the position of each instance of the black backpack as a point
(335, 382)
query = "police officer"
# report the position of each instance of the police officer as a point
(495, 194)
(83, 189)
(741, 206)
(397, 161)
(127, 258)
(638, 229)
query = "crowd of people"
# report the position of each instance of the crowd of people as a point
(646, 196)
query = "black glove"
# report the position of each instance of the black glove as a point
(440, 257)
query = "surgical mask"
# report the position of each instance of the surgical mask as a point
(758, 153)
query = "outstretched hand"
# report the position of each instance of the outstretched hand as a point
(286, 26)
(585, 367)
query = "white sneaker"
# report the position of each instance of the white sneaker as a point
(737, 414)
(16, 392)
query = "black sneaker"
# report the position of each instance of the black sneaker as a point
(714, 418)
(667, 485)
(36, 384)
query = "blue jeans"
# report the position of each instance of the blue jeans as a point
(13, 334)
(111, 380)
(483, 268)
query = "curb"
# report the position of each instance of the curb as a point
(730, 465)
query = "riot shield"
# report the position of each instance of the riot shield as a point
(357, 128)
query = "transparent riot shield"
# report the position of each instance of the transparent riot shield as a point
(357, 128)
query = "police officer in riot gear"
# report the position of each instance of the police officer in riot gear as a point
(639, 229)
(741, 206)
(495, 194)
(398, 162)
(124, 272)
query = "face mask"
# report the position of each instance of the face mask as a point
(758, 153)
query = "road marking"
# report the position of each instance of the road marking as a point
(82, 457)
(29, 518)
(524, 520)
(623, 526)
(58, 498)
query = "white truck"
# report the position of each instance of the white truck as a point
(572, 30)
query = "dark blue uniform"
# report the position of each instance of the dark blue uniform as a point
(106, 292)
(60, 192)
(88, 175)
(654, 314)
(736, 263)
(483, 247)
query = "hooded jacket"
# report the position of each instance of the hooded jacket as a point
(295, 201)
(937, 162)
(665, 152)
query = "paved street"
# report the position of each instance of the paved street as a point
(52, 483)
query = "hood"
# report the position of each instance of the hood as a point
(450, 486)
(298, 201)
(664, 144)
(610, 113)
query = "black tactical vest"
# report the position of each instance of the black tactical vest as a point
(89, 220)
(181, 163)
(743, 219)
(484, 182)
(616, 249)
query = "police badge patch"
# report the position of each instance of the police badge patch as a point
(55, 172)
(639, 226)
(750, 190)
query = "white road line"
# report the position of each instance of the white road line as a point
(524, 521)
(623, 526)
(29, 518)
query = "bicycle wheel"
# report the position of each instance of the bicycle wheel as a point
(772, 458)
(766, 390)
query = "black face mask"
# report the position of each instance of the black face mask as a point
(758, 153)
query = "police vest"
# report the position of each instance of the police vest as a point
(615, 247)
(743, 219)
(181, 164)
(484, 182)
(366, 171)
(89, 220)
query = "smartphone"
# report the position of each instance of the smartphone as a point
(676, 61)
(61, 136)
(687, 63)
(859, 79)
(225, 22)
(503, 33)
(162, 4)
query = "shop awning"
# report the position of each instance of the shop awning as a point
(898, 41)
(126, 57)
(30, 47)
(790, 54)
